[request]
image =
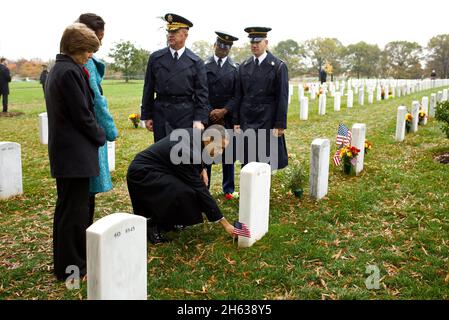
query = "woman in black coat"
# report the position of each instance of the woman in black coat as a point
(73, 141)
(169, 192)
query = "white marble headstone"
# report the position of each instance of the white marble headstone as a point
(361, 97)
(337, 101)
(415, 115)
(254, 208)
(445, 95)
(10, 170)
(43, 128)
(117, 258)
(379, 93)
(304, 109)
(370, 97)
(350, 99)
(312, 92)
(358, 141)
(111, 155)
(425, 107)
(319, 168)
(400, 124)
(322, 105)
(433, 104)
(300, 92)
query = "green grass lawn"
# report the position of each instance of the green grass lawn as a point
(395, 215)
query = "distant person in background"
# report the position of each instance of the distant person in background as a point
(74, 137)
(433, 75)
(43, 77)
(323, 75)
(96, 68)
(5, 79)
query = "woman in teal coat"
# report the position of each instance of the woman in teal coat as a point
(96, 70)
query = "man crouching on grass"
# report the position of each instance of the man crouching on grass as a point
(167, 182)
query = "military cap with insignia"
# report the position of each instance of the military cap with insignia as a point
(225, 40)
(175, 22)
(257, 34)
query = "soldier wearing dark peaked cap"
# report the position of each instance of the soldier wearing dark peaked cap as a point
(178, 78)
(263, 93)
(222, 78)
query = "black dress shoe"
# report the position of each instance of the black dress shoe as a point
(155, 236)
(179, 227)
(171, 227)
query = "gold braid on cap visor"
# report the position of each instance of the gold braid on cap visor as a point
(176, 26)
(258, 34)
(228, 42)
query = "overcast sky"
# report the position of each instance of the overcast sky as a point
(32, 29)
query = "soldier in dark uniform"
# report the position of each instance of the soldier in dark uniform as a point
(222, 77)
(178, 77)
(263, 102)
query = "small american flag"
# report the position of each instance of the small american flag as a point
(337, 158)
(240, 229)
(344, 135)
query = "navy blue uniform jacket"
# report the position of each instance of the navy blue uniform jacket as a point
(175, 92)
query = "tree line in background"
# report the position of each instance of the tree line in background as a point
(399, 59)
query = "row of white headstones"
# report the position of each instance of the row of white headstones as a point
(398, 89)
(117, 245)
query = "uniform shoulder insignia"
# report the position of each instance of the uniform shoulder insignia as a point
(247, 61)
(192, 56)
(232, 63)
(159, 53)
(209, 60)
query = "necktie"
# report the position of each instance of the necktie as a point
(257, 62)
(175, 56)
(219, 62)
(86, 72)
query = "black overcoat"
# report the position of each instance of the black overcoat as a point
(264, 104)
(5, 79)
(223, 87)
(170, 193)
(323, 76)
(73, 133)
(175, 93)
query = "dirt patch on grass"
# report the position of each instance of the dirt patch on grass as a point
(443, 158)
(10, 114)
